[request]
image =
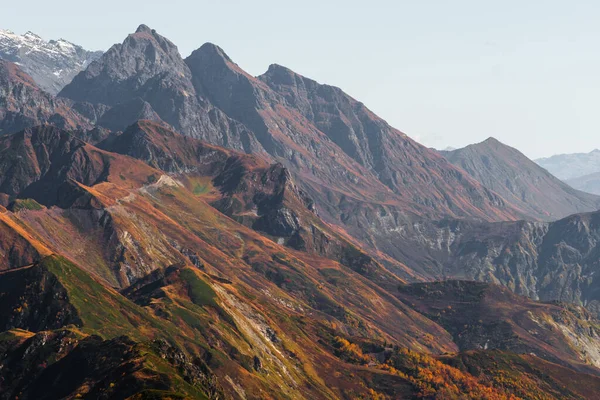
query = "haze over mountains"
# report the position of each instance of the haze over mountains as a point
(579, 170)
(177, 228)
(570, 166)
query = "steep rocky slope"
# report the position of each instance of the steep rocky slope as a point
(546, 261)
(47, 164)
(520, 181)
(23, 104)
(148, 66)
(388, 179)
(253, 192)
(52, 64)
(310, 127)
(18, 247)
(481, 316)
(210, 97)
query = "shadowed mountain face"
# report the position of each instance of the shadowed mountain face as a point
(348, 150)
(520, 181)
(311, 127)
(383, 183)
(23, 104)
(47, 164)
(545, 261)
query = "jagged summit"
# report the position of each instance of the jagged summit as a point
(211, 48)
(144, 28)
(492, 141)
(52, 64)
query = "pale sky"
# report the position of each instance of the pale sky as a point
(447, 73)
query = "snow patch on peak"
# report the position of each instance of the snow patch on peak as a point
(52, 64)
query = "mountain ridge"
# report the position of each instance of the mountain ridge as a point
(521, 181)
(52, 64)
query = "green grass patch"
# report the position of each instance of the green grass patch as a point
(26, 204)
(199, 291)
(200, 189)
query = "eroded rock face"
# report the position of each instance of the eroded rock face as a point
(545, 261)
(411, 171)
(481, 316)
(23, 104)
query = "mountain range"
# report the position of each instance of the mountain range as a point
(177, 228)
(52, 64)
(579, 170)
(571, 166)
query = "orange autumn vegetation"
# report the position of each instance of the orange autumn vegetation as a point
(350, 351)
(434, 379)
(430, 377)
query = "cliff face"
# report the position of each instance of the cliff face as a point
(547, 261)
(336, 143)
(255, 193)
(482, 316)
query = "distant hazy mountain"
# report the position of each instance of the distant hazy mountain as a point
(520, 181)
(569, 166)
(52, 64)
(588, 183)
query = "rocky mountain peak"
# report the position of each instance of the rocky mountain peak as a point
(52, 64)
(279, 74)
(144, 28)
(516, 178)
(213, 51)
(126, 68)
(32, 35)
(143, 32)
(23, 104)
(492, 141)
